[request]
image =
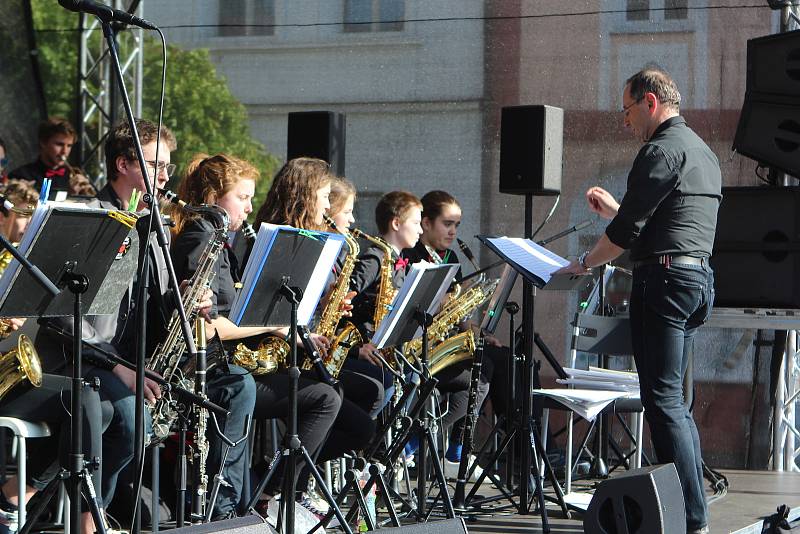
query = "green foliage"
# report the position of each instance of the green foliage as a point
(198, 106)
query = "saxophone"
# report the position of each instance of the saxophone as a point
(386, 289)
(349, 336)
(447, 351)
(5, 260)
(167, 355)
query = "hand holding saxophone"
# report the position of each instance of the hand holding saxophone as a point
(369, 352)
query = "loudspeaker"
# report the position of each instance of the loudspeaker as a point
(769, 125)
(446, 526)
(640, 501)
(249, 524)
(531, 150)
(317, 134)
(756, 256)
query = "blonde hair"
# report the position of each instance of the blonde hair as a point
(207, 179)
(292, 198)
(341, 190)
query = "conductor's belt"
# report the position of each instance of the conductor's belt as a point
(672, 259)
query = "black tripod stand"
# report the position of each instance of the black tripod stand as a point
(293, 450)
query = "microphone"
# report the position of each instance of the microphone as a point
(5, 204)
(468, 253)
(106, 13)
(576, 228)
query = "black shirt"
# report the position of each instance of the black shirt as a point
(187, 249)
(674, 191)
(420, 253)
(365, 281)
(36, 172)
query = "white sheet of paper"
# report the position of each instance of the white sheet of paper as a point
(532, 257)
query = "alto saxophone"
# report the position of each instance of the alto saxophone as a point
(348, 336)
(167, 355)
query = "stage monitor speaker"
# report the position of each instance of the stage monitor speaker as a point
(446, 526)
(317, 134)
(756, 258)
(531, 150)
(640, 501)
(249, 524)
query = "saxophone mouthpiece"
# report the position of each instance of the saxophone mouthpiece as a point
(468, 253)
(170, 196)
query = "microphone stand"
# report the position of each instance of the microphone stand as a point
(155, 214)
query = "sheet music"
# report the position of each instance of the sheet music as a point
(587, 403)
(316, 286)
(534, 258)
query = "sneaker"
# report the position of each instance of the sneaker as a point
(453, 452)
(451, 468)
(9, 517)
(319, 513)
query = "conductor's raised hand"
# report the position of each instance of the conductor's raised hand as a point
(602, 202)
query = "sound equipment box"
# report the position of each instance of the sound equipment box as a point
(317, 134)
(446, 526)
(531, 150)
(769, 124)
(249, 524)
(640, 501)
(756, 258)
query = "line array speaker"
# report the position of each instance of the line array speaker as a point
(317, 134)
(531, 150)
(640, 501)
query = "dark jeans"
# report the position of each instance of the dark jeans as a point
(234, 389)
(667, 307)
(118, 443)
(50, 403)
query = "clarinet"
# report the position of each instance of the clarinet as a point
(469, 426)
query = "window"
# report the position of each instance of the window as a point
(638, 10)
(374, 15)
(676, 9)
(247, 17)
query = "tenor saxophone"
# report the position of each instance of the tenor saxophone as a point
(348, 336)
(167, 355)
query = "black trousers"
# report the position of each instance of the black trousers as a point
(50, 403)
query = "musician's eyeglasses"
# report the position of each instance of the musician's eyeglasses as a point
(169, 168)
(629, 106)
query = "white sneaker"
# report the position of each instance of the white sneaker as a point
(451, 468)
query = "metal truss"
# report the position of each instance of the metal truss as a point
(98, 101)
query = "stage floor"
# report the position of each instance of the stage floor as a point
(752, 495)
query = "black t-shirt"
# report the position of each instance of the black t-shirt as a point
(365, 281)
(36, 171)
(674, 191)
(187, 249)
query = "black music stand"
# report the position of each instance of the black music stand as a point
(409, 317)
(536, 265)
(72, 263)
(260, 303)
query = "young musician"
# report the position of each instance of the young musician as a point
(441, 217)
(56, 138)
(229, 183)
(299, 197)
(49, 402)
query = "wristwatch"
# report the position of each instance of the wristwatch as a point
(582, 260)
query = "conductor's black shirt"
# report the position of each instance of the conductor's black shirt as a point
(674, 191)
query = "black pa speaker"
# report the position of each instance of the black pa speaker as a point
(446, 526)
(756, 256)
(317, 134)
(769, 125)
(640, 501)
(249, 524)
(531, 150)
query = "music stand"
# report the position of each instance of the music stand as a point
(305, 255)
(95, 242)
(536, 265)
